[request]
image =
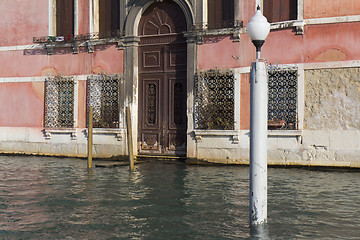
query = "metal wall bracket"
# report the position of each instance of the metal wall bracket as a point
(75, 48)
(90, 47)
(49, 49)
(198, 138)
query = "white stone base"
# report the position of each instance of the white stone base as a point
(330, 148)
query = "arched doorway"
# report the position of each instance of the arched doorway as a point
(162, 80)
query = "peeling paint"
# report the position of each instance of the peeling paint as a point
(332, 99)
(331, 55)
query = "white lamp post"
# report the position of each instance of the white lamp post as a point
(258, 28)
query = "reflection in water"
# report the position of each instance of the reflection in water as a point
(21, 188)
(52, 198)
(260, 232)
(314, 204)
(162, 209)
(218, 200)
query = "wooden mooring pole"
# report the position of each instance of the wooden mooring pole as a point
(129, 137)
(90, 137)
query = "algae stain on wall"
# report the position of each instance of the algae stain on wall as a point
(332, 99)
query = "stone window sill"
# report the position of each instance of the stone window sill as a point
(48, 132)
(285, 133)
(120, 133)
(200, 133)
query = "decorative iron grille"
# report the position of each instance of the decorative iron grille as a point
(103, 96)
(282, 105)
(179, 104)
(59, 102)
(151, 104)
(214, 100)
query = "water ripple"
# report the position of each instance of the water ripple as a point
(54, 198)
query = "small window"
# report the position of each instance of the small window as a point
(280, 10)
(214, 100)
(220, 14)
(59, 102)
(103, 96)
(109, 15)
(65, 18)
(282, 104)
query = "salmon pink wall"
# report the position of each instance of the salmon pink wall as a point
(320, 43)
(330, 8)
(246, 10)
(19, 24)
(245, 101)
(83, 16)
(223, 52)
(342, 37)
(111, 59)
(283, 47)
(22, 104)
(32, 63)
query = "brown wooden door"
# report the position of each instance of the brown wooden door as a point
(162, 81)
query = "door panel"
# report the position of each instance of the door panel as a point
(162, 81)
(177, 123)
(176, 58)
(151, 90)
(151, 60)
(177, 100)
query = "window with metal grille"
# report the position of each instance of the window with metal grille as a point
(109, 18)
(214, 100)
(103, 96)
(282, 104)
(280, 10)
(65, 18)
(59, 102)
(220, 14)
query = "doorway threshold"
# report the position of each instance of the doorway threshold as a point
(160, 158)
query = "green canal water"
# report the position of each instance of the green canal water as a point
(56, 198)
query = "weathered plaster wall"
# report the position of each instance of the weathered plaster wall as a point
(330, 8)
(84, 19)
(341, 37)
(320, 43)
(222, 52)
(246, 10)
(30, 63)
(245, 101)
(22, 104)
(19, 24)
(332, 98)
(110, 58)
